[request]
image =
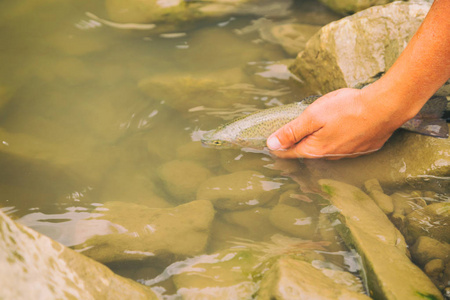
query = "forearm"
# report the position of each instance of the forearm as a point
(422, 68)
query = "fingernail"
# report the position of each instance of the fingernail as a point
(273, 143)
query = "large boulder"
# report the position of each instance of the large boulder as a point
(364, 227)
(357, 50)
(33, 266)
(136, 232)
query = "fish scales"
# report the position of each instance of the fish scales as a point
(252, 131)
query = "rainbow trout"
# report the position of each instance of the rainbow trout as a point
(252, 131)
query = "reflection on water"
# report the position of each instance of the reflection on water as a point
(97, 120)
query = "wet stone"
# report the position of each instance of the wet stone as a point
(254, 220)
(293, 279)
(432, 221)
(426, 249)
(32, 266)
(405, 204)
(182, 178)
(347, 7)
(238, 191)
(194, 151)
(176, 12)
(358, 49)
(136, 232)
(294, 221)
(222, 275)
(375, 191)
(405, 158)
(6, 94)
(363, 226)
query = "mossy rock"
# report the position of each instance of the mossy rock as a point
(364, 226)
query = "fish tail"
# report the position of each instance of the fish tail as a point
(429, 120)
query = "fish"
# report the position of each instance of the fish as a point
(251, 131)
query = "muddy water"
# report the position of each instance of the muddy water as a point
(91, 114)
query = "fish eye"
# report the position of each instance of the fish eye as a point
(217, 143)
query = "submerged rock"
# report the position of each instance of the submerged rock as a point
(293, 279)
(432, 221)
(181, 178)
(235, 272)
(294, 221)
(185, 92)
(405, 158)
(347, 7)
(375, 191)
(238, 191)
(223, 275)
(6, 94)
(254, 221)
(357, 50)
(364, 226)
(136, 232)
(33, 266)
(291, 36)
(426, 249)
(176, 11)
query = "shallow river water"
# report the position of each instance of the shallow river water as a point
(91, 114)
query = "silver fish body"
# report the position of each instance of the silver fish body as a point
(252, 131)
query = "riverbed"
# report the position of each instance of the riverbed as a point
(96, 117)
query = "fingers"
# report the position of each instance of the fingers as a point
(293, 132)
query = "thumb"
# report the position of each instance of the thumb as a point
(292, 132)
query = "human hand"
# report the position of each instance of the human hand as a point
(343, 123)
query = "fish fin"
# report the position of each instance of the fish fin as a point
(310, 99)
(429, 119)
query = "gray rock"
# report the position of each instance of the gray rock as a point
(136, 232)
(33, 266)
(347, 7)
(357, 50)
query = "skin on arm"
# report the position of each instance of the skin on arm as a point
(350, 122)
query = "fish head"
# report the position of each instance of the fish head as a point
(214, 139)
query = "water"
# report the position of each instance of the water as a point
(91, 114)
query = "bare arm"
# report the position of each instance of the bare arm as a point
(351, 122)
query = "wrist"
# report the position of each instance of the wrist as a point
(392, 102)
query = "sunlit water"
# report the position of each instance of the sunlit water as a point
(90, 114)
